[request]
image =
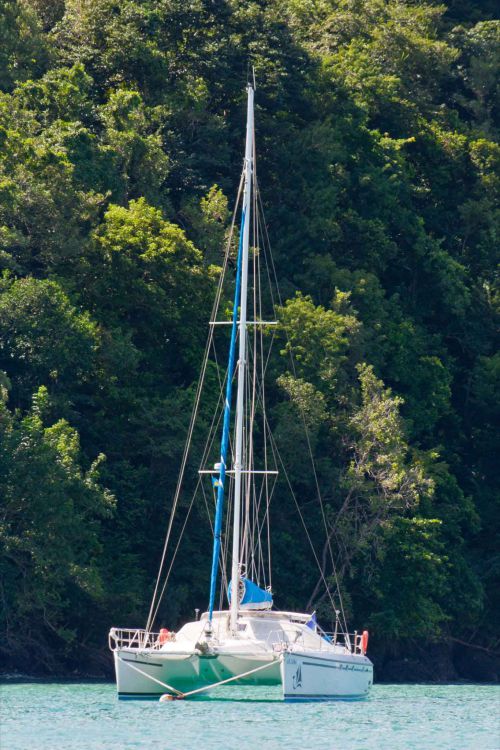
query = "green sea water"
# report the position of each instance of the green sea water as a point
(83, 716)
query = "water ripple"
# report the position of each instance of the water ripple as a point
(42, 716)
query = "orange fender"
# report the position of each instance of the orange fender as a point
(164, 636)
(364, 642)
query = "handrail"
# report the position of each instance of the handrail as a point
(280, 640)
(133, 638)
(350, 641)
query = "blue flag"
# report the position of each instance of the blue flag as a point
(312, 622)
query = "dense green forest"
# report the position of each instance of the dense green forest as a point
(121, 141)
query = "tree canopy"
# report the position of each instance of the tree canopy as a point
(121, 131)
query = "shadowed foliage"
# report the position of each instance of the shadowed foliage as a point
(121, 131)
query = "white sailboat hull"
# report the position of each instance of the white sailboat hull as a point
(147, 674)
(310, 676)
(271, 648)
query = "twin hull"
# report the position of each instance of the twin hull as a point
(136, 673)
(304, 676)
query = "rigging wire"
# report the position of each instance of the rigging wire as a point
(194, 414)
(301, 516)
(251, 540)
(208, 447)
(262, 375)
(306, 430)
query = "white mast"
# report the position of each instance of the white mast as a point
(242, 364)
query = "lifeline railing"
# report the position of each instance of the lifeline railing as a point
(133, 638)
(351, 642)
(281, 640)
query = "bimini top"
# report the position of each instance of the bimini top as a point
(251, 596)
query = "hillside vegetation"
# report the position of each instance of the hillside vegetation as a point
(121, 141)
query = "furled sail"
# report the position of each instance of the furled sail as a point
(251, 596)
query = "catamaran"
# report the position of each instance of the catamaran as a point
(249, 642)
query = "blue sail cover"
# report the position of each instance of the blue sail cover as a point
(252, 596)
